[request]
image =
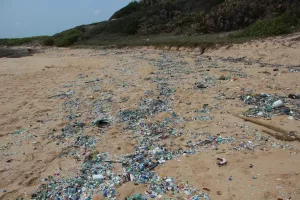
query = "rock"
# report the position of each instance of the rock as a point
(200, 85)
(219, 193)
(223, 78)
(294, 96)
(91, 97)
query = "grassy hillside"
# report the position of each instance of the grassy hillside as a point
(145, 18)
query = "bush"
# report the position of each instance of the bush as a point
(271, 27)
(48, 41)
(22, 41)
(3, 42)
(127, 25)
(97, 29)
(67, 38)
(19, 41)
(131, 23)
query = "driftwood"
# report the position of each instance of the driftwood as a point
(279, 133)
(285, 137)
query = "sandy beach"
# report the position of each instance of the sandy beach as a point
(62, 109)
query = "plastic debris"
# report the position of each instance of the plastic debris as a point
(102, 122)
(98, 177)
(277, 104)
(222, 161)
(266, 105)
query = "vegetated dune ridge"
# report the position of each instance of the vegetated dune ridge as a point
(41, 95)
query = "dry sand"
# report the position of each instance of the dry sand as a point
(125, 75)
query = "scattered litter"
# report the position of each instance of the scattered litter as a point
(101, 122)
(62, 95)
(222, 161)
(294, 69)
(266, 105)
(98, 177)
(200, 85)
(294, 96)
(19, 131)
(154, 124)
(277, 104)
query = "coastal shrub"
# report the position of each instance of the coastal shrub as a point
(271, 27)
(49, 41)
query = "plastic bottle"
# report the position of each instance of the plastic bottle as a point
(277, 104)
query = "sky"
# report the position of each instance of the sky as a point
(26, 18)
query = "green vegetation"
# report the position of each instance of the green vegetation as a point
(49, 41)
(271, 27)
(203, 41)
(3, 42)
(127, 10)
(68, 37)
(181, 23)
(22, 41)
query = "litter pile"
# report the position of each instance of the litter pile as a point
(267, 105)
(96, 175)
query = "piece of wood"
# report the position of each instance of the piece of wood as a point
(282, 135)
(256, 121)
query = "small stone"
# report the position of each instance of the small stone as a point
(91, 97)
(219, 193)
(222, 78)
(294, 96)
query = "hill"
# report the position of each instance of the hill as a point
(188, 18)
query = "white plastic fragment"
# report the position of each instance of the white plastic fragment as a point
(277, 104)
(98, 177)
(132, 177)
